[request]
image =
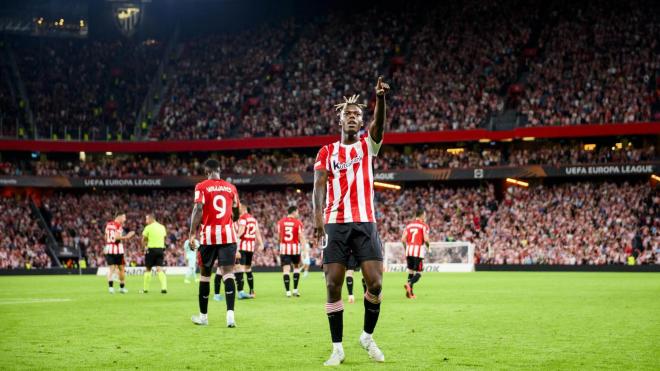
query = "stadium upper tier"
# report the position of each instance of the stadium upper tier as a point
(451, 66)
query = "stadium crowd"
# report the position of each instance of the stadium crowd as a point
(86, 88)
(391, 158)
(451, 66)
(460, 61)
(595, 64)
(22, 243)
(214, 78)
(575, 223)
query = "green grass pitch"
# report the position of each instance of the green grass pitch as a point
(459, 321)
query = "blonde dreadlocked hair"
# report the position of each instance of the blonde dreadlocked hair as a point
(348, 101)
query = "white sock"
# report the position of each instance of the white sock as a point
(203, 315)
(365, 336)
(338, 347)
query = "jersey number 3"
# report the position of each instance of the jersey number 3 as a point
(288, 233)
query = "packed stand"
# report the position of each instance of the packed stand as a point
(84, 88)
(215, 78)
(22, 244)
(461, 60)
(557, 154)
(334, 56)
(596, 63)
(574, 224)
(390, 158)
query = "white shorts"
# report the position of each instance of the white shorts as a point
(192, 258)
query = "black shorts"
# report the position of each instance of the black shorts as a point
(154, 258)
(290, 259)
(359, 240)
(353, 264)
(246, 258)
(207, 254)
(114, 259)
(415, 263)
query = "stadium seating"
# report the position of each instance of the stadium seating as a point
(564, 65)
(86, 89)
(391, 158)
(22, 241)
(575, 223)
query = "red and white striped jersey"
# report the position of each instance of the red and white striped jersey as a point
(112, 231)
(290, 231)
(415, 232)
(218, 197)
(349, 192)
(249, 237)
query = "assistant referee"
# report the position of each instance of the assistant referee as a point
(153, 239)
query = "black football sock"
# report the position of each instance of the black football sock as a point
(364, 285)
(410, 276)
(349, 285)
(415, 278)
(110, 283)
(335, 313)
(287, 279)
(230, 292)
(239, 280)
(296, 278)
(371, 311)
(121, 285)
(204, 289)
(217, 282)
(250, 279)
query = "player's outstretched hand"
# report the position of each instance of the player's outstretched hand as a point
(381, 87)
(192, 243)
(130, 234)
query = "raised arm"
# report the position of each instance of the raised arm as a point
(377, 126)
(318, 201)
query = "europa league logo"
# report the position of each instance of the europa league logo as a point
(127, 17)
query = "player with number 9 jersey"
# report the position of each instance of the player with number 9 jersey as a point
(218, 197)
(215, 209)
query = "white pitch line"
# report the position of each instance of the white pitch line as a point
(10, 301)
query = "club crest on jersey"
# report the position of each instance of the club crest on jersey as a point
(336, 165)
